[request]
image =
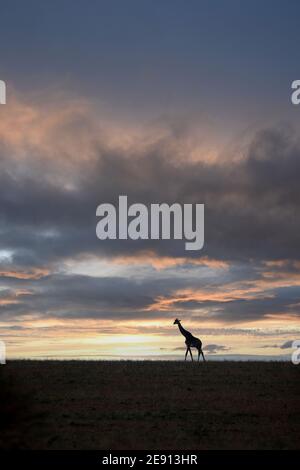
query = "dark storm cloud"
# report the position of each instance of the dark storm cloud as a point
(120, 298)
(252, 206)
(283, 300)
(274, 302)
(76, 296)
(252, 213)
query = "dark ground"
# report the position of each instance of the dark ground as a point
(149, 405)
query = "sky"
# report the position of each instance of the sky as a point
(164, 101)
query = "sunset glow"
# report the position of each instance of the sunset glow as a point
(168, 127)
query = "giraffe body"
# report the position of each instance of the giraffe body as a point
(190, 341)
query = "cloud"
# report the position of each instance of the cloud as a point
(59, 161)
(59, 165)
(215, 348)
(164, 262)
(209, 348)
(286, 345)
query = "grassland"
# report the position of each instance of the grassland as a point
(149, 405)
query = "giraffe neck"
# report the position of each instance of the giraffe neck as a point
(182, 330)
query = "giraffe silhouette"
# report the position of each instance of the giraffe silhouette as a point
(190, 341)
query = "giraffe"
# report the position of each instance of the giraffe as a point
(190, 341)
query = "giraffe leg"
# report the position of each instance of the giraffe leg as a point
(198, 355)
(203, 356)
(187, 349)
(191, 354)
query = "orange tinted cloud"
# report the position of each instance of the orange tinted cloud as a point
(163, 262)
(32, 273)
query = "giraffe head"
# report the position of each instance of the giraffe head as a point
(176, 322)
